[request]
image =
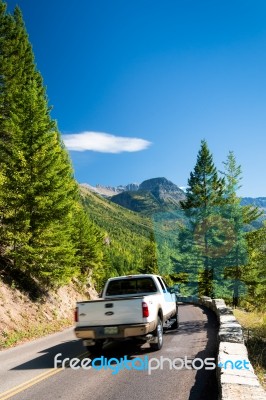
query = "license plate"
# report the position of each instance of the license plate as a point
(110, 330)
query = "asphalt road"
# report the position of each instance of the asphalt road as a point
(27, 371)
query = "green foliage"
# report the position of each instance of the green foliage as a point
(212, 243)
(44, 232)
(204, 194)
(47, 232)
(150, 262)
(243, 265)
(89, 241)
(254, 275)
(138, 201)
(90, 252)
(205, 188)
(126, 235)
(233, 214)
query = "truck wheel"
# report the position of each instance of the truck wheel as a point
(97, 347)
(158, 333)
(175, 325)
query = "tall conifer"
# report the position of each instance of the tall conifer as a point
(204, 194)
(237, 215)
(38, 189)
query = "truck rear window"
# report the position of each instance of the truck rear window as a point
(119, 287)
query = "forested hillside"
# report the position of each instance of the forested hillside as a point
(45, 234)
(51, 231)
(126, 235)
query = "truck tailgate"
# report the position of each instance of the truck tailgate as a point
(110, 312)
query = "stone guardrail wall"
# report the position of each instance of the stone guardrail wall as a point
(234, 384)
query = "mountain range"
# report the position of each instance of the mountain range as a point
(151, 196)
(127, 233)
(155, 195)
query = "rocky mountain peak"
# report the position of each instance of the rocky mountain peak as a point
(161, 184)
(152, 195)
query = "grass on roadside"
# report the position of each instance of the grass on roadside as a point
(254, 326)
(10, 339)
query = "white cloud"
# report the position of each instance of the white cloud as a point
(103, 142)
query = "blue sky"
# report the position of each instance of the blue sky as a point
(140, 83)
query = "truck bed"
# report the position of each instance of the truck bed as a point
(120, 310)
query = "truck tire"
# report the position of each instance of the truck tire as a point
(158, 333)
(175, 325)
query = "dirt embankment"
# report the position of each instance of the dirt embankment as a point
(22, 319)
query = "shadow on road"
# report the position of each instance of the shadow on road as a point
(46, 359)
(206, 386)
(75, 349)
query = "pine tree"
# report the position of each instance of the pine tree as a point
(89, 243)
(150, 262)
(232, 212)
(204, 197)
(236, 216)
(205, 188)
(38, 190)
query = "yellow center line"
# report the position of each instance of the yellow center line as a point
(33, 381)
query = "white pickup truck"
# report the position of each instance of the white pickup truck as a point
(135, 306)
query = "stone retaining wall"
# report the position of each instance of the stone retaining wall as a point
(239, 382)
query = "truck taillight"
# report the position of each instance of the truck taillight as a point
(145, 310)
(76, 317)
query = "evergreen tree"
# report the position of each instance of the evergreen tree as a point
(150, 262)
(236, 258)
(205, 188)
(204, 197)
(236, 216)
(165, 254)
(38, 190)
(89, 243)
